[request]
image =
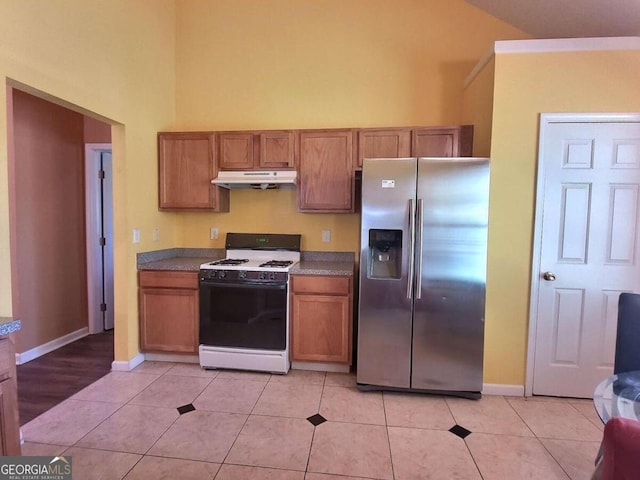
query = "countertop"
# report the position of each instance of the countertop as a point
(9, 325)
(178, 259)
(190, 259)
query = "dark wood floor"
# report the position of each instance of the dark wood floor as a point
(54, 377)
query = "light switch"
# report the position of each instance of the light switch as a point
(136, 235)
(156, 234)
(214, 233)
(326, 236)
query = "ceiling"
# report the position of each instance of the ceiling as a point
(567, 18)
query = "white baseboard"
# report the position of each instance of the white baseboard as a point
(501, 389)
(127, 365)
(48, 347)
(322, 367)
(171, 357)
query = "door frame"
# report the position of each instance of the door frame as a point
(546, 120)
(94, 257)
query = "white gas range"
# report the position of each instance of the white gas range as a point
(244, 314)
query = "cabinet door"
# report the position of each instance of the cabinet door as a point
(320, 328)
(236, 151)
(277, 150)
(326, 171)
(186, 167)
(442, 142)
(9, 425)
(388, 143)
(168, 320)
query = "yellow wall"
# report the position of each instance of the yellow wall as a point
(525, 86)
(251, 64)
(114, 59)
(478, 108)
(231, 64)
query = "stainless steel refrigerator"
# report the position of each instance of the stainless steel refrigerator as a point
(422, 274)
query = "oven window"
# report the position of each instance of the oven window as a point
(248, 316)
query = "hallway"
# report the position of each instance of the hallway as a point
(48, 380)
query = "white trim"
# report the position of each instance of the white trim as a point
(505, 390)
(171, 357)
(125, 366)
(321, 367)
(92, 192)
(483, 62)
(546, 45)
(567, 45)
(547, 119)
(48, 347)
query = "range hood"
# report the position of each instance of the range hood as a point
(258, 179)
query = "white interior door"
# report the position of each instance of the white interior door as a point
(586, 224)
(107, 233)
(99, 218)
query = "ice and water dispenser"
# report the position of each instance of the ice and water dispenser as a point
(385, 253)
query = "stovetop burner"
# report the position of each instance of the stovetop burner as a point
(230, 261)
(276, 263)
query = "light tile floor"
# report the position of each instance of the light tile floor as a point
(255, 426)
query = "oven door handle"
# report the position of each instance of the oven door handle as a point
(257, 286)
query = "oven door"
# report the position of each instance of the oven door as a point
(243, 315)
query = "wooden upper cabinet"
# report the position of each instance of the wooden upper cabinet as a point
(266, 150)
(236, 151)
(326, 171)
(442, 141)
(383, 143)
(186, 166)
(277, 150)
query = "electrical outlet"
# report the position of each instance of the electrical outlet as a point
(326, 236)
(156, 234)
(136, 235)
(214, 233)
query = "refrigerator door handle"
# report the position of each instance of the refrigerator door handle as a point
(412, 234)
(419, 267)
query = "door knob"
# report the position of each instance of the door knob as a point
(548, 276)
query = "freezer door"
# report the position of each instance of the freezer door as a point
(386, 286)
(448, 328)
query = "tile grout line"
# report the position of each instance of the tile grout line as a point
(475, 462)
(243, 425)
(313, 435)
(386, 427)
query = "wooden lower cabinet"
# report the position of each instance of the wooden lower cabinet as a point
(9, 423)
(168, 309)
(321, 318)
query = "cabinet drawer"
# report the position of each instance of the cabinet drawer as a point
(321, 284)
(167, 279)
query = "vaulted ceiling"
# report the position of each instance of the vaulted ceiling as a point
(567, 18)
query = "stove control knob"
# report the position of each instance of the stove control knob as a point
(262, 275)
(272, 276)
(212, 274)
(242, 274)
(222, 274)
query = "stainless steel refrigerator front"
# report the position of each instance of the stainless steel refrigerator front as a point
(422, 274)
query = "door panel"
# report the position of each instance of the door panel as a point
(591, 177)
(384, 323)
(448, 325)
